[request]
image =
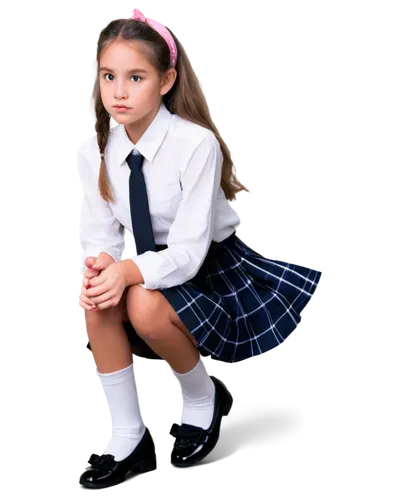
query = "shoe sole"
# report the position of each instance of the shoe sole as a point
(203, 461)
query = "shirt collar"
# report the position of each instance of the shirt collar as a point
(151, 139)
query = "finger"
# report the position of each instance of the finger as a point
(84, 297)
(103, 261)
(84, 303)
(88, 305)
(108, 299)
(101, 266)
(84, 289)
(90, 261)
(96, 290)
(90, 273)
(111, 302)
(97, 281)
(86, 282)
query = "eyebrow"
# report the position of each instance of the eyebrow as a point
(135, 70)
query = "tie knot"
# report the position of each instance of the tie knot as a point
(135, 159)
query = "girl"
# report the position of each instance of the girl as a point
(194, 288)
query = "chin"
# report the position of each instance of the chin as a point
(123, 119)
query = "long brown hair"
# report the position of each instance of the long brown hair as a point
(185, 98)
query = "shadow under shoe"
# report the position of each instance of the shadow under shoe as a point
(105, 471)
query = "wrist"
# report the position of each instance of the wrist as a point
(131, 272)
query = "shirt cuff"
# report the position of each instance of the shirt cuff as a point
(147, 264)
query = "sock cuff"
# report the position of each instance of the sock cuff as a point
(117, 374)
(190, 372)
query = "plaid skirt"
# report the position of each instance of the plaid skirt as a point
(240, 304)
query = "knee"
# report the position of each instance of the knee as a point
(95, 320)
(143, 307)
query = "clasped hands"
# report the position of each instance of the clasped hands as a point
(103, 283)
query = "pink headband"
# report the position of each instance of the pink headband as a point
(162, 30)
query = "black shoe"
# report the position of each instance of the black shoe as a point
(189, 437)
(105, 471)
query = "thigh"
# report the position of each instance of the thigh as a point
(144, 308)
(145, 304)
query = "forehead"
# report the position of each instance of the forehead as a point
(125, 55)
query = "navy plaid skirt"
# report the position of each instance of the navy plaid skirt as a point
(240, 304)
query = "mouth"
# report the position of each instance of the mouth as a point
(121, 108)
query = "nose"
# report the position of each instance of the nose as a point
(120, 91)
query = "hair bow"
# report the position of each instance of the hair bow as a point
(162, 30)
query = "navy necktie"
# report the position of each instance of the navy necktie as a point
(139, 206)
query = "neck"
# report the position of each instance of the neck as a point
(136, 129)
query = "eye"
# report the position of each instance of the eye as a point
(137, 76)
(133, 76)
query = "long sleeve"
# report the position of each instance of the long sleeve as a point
(99, 230)
(191, 232)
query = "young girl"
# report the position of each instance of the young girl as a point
(164, 173)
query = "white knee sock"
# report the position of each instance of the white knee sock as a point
(198, 391)
(127, 424)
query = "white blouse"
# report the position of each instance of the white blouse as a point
(188, 208)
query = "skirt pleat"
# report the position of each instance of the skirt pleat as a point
(240, 304)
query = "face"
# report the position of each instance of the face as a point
(127, 78)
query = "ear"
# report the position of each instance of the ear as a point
(168, 80)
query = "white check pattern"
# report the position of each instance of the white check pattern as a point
(240, 304)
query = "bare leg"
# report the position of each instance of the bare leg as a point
(112, 354)
(108, 341)
(157, 323)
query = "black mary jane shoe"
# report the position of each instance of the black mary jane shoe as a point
(189, 437)
(105, 471)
